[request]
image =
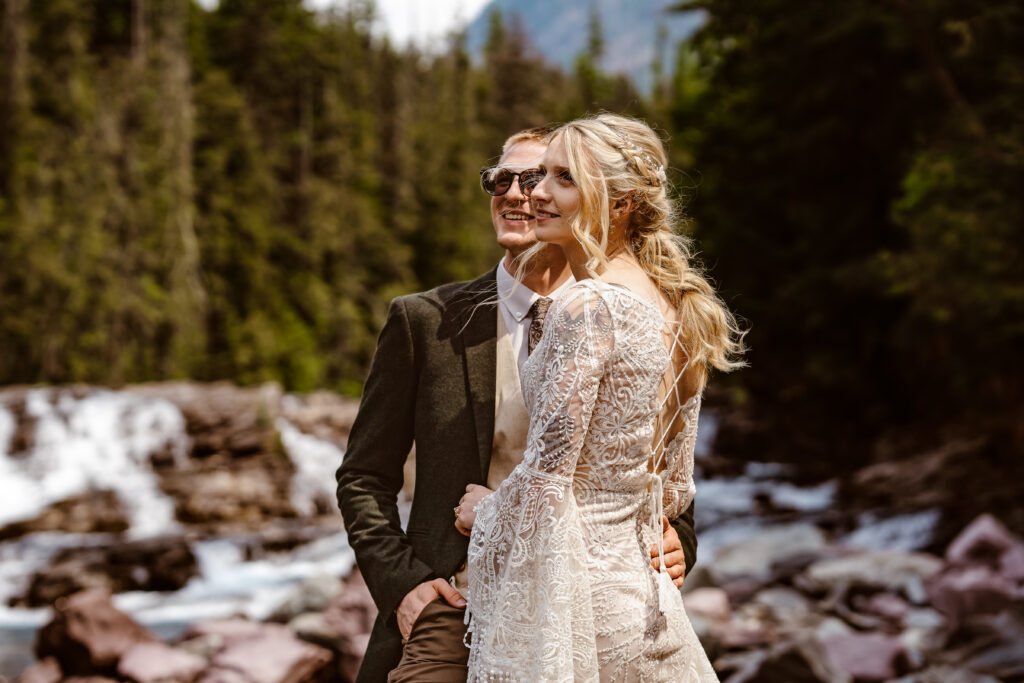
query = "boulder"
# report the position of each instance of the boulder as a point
(886, 605)
(945, 674)
(323, 414)
(222, 419)
(274, 657)
(353, 612)
(883, 569)
(223, 676)
(350, 662)
(88, 513)
(867, 656)
(251, 493)
(153, 564)
(159, 663)
(962, 591)
(311, 595)
(709, 603)
(986, 541)
(88, 635)
(793, 661)
(991, 644)
(343, 627)
(45, 671)
(205, 646)
(227, 632)
(754, 558)
(785, 605)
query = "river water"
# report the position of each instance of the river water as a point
(104, 440)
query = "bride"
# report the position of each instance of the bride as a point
(560, 585)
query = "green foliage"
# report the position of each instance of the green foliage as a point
(859, 201)
(238, 193)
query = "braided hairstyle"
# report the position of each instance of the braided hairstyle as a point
(614, 157)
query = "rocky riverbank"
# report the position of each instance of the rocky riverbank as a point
(784, 606)
(187, 532)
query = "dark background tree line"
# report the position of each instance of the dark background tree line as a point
(237, 194)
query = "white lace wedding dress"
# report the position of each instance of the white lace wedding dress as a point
(560, 582)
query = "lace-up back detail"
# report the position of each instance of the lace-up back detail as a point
(560, 584)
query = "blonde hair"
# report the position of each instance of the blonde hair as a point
(539, 134)
(614, 157)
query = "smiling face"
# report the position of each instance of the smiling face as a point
(511, 213)
(556, 200)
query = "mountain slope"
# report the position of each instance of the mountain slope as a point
(560, 31)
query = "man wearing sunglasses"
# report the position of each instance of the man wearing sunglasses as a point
(446, 377)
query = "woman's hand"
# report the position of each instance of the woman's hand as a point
(675, 560)
(466, 511)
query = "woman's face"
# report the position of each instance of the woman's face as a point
(556, 199)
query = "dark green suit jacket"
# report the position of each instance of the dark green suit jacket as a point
(432, 383)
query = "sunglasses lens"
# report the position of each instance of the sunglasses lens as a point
(529, 180)
(496, 181)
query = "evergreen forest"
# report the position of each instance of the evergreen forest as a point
(237, 193)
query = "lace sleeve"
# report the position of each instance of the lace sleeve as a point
(529, 595)
(677, 476)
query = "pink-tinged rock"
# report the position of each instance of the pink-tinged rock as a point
(887, 605)
(710, 603)
(274, 658)
(353, 659)
(354, 607)
(961, 591)
(88, 634)
(1011, 564)
(866, 656)
(159, 663)
(224, 676)
(744, 634)
(229, 631)
(985, 541)
(46, 671)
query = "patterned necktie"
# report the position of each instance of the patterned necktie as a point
(538, 310)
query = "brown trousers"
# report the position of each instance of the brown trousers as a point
(434, 652)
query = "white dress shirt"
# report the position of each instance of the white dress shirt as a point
(515, 301)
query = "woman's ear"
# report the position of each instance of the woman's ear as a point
(622, 206)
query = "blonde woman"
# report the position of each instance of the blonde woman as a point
(560, 585)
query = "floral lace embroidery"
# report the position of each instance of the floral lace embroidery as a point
(560, 584)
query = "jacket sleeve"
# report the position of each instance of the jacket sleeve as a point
(679, 486)
(683, 524)
(370, 475)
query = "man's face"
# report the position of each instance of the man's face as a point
(513, 217)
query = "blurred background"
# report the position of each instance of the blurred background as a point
(205, 208)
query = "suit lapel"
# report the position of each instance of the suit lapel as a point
(479, 344)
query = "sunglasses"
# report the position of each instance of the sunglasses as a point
(496, 180)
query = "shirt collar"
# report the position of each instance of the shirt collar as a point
(517, 299)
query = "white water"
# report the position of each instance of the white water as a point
(901, 532)
(101, 442)
(313, 484)
(228, 585)
(105, 440)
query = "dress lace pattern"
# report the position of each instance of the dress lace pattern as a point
(560, 583)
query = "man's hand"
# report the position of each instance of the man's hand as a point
(675, 560)
(467, 508)
(419, 597)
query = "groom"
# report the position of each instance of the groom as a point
(446, 377)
